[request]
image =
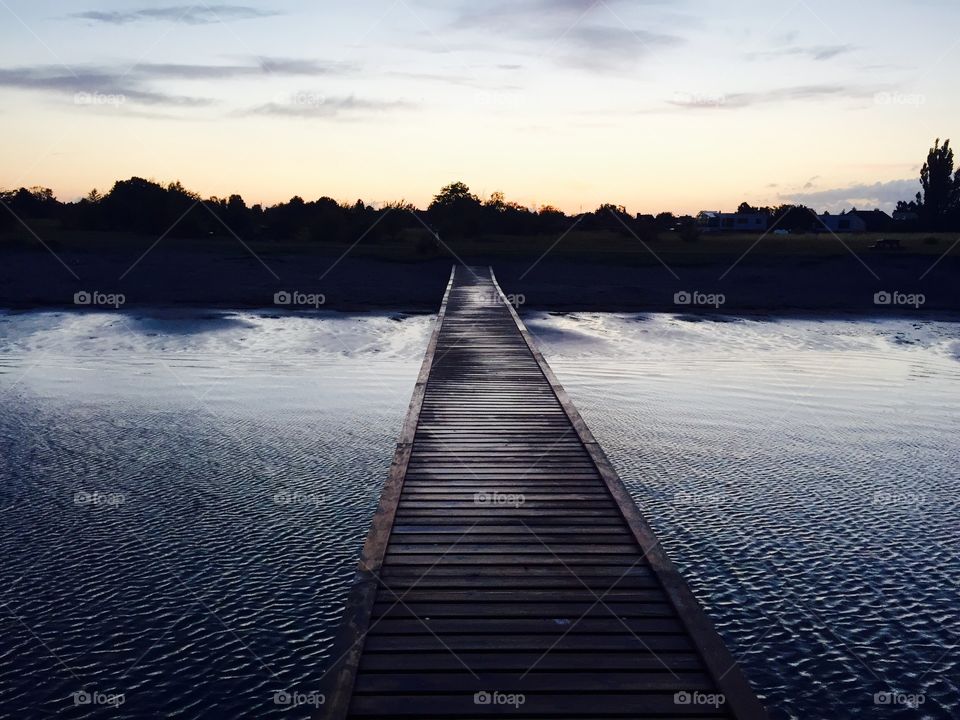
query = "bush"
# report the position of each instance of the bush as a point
(689, 231)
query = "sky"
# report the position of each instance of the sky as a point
(676, 105)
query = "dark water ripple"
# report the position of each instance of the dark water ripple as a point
(802, 475)
(184, 532)
(809, 496)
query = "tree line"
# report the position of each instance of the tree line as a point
(149, 208)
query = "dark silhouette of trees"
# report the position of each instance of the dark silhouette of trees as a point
(688, 229)
(37, 203)
(149, 208)
(795, 219)
(666, 222)
(940, 201)
(455, 210)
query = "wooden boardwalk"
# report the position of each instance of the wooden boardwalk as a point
(507, 571)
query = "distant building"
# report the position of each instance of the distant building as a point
(906, 220)
(858, 221)
(843, 223)
(716, 221)
(876, 220)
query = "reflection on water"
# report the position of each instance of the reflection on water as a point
(803, 475)
(184, 499)
(184, 496)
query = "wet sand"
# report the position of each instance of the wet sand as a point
(31, 277)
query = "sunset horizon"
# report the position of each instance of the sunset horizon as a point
(653, 106)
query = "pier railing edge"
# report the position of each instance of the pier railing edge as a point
(351, 634)
(721, 664)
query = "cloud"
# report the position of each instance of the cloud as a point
(134, 84)
(777, 95)
(315, 106)
(584, 34)
(187, 14)
(883, 195)
(256, 67)
(92, 83)
(813, 52)
(604, 47)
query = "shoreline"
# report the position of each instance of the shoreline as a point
(763, 285)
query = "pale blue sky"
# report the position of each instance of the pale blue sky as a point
(655, 105)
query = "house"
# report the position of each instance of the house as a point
(843, 223)
(858, 221)
(876, 220)
(716, 221)
(906, 220)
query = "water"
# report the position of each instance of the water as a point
(803, 475)
(184, 497)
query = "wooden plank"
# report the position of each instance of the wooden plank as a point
(349, 646)
(507, 555)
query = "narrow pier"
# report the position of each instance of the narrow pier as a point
(507, 571)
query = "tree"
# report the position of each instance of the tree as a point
(456, 210)
(795, 218)
(941, 187)
(688, 229)
(666, 221)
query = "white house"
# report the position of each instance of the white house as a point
(716, 221)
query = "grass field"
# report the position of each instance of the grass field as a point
(412, 246)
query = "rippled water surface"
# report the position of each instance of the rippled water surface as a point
(184, 497)
(183, 502)
(804, 475)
